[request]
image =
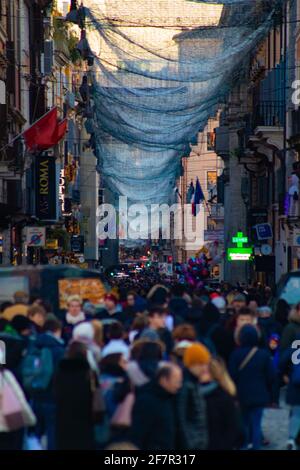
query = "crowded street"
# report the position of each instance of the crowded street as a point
(149, 230)
(158, 365)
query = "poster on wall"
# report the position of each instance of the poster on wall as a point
(87, 288)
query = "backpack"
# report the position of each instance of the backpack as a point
(37, 369)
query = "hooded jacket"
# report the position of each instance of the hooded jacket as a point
(291, 331)
(256, 382)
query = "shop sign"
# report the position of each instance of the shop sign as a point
(264, 231)
(35, 237)
(240, 253)
(46, 203)
(52, 244)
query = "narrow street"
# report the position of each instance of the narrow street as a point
(149, 229)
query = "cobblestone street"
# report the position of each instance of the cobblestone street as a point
(275, 426)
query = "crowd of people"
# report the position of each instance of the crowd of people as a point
(161, 365)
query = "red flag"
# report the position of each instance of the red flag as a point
(41, 135)
(61, 129)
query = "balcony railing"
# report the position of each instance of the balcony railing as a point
(217, 211)
(269, 113)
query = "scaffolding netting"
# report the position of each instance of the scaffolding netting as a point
(162, 68)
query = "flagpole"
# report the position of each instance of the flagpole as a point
(21, 133)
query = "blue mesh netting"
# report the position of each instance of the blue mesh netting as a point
(162, 68)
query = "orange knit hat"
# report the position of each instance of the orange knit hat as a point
(197, 353)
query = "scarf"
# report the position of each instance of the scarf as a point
(74, 320)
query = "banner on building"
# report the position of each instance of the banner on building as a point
(35, 237)
(46, 188)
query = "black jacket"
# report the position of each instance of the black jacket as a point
(223, 418)
(74, 420)
(257, 382)
(153, 419)
(191, 424)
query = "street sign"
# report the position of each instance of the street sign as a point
(266, 249)
(240, 253)
(35, 237)
(264, 231)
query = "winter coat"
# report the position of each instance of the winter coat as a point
(153, 419)
(178, 307)
(73, 392)
(285, 367)
(68, 328)
(256, 382)
(191, 413)
(290, 331)
(269, 326)
(223, 418)
(57, 349)
(115, 386)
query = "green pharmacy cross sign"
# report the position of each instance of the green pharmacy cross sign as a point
(240, 253)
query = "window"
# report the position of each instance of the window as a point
(211, 180)
(210, 140)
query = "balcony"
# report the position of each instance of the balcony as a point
(216, 212)
(269, 114)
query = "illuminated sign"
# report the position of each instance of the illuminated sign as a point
(240, 253)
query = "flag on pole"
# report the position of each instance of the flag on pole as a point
(190, 193)
(197, 198)
(45, 132)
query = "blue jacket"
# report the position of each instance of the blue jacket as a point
(257, 382)
(285, 367)
(57, 348)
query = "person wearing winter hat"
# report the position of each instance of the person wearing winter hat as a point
(217, 391)
(253, 372)
(239, 301)
(111, 310)
(190, 405)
